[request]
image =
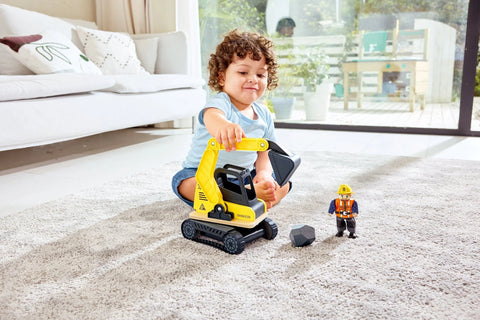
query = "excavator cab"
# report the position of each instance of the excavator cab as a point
(236, 185)
(228, 213)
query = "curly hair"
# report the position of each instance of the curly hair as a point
(242, 44)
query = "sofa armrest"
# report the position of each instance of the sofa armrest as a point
(172, 51)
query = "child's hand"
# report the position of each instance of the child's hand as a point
(259, 177)
(222, 129)
(229, 135)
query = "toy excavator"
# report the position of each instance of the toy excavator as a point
(227, 212)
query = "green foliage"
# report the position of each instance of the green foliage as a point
(286, 81)
(285, 71)
(314, 12)
(312, 68)
(226, 15)
(220, 16)
(297, 66)
(268, 103)
(217, 17)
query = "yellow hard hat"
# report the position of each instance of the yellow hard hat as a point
(345, 189)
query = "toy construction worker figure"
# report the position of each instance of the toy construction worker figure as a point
(346, 209)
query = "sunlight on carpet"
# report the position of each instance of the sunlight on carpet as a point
(117, 252)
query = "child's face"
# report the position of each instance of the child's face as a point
(245, 81)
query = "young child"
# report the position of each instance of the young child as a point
(241, 69)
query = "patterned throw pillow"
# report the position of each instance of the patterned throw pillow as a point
(49, 52)
(112, 52)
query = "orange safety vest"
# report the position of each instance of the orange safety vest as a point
(343, 208)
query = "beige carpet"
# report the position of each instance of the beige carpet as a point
(116, 252)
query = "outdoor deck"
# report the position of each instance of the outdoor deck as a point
(396, 114)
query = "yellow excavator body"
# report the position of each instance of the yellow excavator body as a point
(208, 195)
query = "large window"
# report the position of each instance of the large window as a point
(358, 64)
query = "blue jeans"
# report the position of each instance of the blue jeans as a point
(181, 175)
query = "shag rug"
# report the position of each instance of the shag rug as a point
(116, 251)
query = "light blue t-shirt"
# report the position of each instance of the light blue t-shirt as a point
(262, 127)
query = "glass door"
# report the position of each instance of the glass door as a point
(357, 64)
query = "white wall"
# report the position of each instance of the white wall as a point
(164, 16)
(73, 9)
(85, 9)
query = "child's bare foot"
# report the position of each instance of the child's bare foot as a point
(265, 190)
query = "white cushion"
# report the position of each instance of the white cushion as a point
(37, 86)
(50, 52)
(15, 22)
(147, 51)
(153, 83)
(10, 65)
(112, 52)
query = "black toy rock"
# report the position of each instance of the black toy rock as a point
(302, 235)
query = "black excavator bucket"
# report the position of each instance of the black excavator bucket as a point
(284, 163)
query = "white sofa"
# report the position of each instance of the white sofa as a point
(38, 109)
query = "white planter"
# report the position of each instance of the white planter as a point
(283, 107)
(318, 102)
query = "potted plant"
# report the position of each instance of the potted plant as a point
(313, 68)
(282, 98)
